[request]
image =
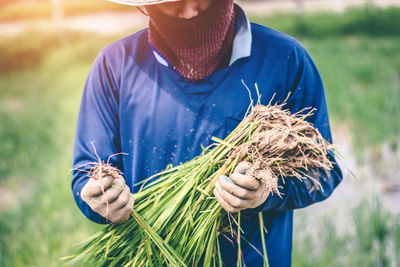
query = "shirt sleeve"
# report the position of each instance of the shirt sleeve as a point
(97, 128)
(305, 85)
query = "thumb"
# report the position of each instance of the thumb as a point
(242, 167)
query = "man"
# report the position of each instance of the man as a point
(162, 93)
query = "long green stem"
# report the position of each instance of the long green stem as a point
(265, 255)
(239, 259)
(168, 252)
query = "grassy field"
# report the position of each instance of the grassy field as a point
(41, 83)
(356, 56)
(39, 107)
(372, 238)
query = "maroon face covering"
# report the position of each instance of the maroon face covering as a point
(197, 46)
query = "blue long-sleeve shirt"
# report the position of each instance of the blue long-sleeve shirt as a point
(133, 103)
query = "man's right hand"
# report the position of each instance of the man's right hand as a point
(109, 197)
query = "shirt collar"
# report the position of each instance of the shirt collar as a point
(241, 47)
(242, 43)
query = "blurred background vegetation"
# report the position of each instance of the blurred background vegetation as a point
(14, 10)
(42, 73)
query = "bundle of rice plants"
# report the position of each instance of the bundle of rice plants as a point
(176, 220)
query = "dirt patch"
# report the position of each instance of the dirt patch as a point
(11, 104)
(12, 195)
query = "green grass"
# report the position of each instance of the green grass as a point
(40, 104)
(33, 77)
(357, 56)
(41, 84)
(359, 21)
(370, 239)
(362, 80)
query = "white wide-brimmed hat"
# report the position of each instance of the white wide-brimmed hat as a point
(141, 2)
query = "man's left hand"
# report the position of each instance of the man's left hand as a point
(240, 191)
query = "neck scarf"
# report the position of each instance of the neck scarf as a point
(197, 46)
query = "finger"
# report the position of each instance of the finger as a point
(95, 188)
(124, 213)
(112, 193)
(242, 167)
(264, 191)
(223, 203)
(119, 182)
(129, 206)
(234, 201)
(221, 197)
(260, 197)
(106, 182)
(122, 200)
(245, 181)
(98, 205)
(235, 190)
(131, 203)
